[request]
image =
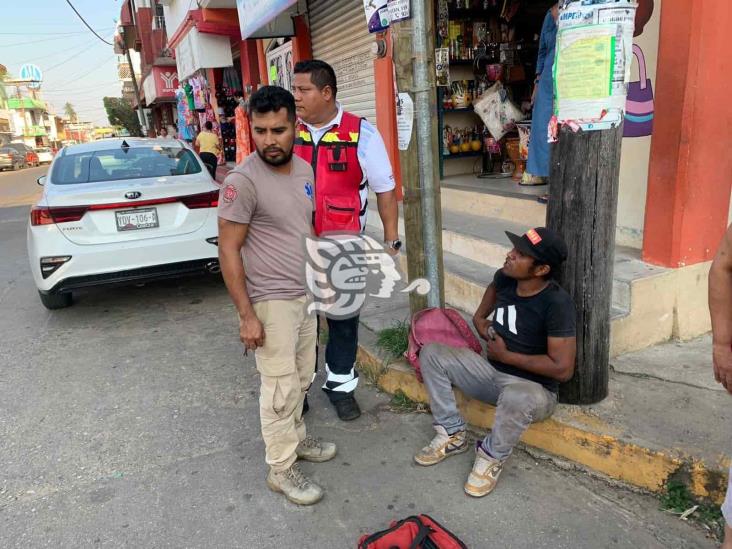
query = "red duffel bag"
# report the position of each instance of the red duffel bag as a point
(415, 532)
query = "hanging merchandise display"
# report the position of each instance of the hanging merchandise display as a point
(243, 137)
(186, 130)
(228, 92)
(592, 63)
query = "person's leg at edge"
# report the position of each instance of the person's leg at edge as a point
(280, 401)
(442, 367)
(727, 513)
(519, 403)
(340, 363)
(309, 447)
(210, 160)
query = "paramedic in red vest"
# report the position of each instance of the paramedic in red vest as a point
(348, 157)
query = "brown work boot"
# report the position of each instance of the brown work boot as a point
(315, 450)
(484, 476)
(442, 446)
(295, 485)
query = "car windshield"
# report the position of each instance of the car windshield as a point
(119, 164)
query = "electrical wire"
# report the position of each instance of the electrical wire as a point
(85, 72)
(36, 59)
(34, 42)
(46, 33)
(74, 56)
(87, 24)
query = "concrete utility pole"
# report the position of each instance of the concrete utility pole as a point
(413, 54)
(583, 205)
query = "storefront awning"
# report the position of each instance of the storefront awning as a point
(197, 50)
(265, 18)
(160, 84)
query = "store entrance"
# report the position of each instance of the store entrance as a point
(492, 47)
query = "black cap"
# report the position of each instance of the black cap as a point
(542, 244)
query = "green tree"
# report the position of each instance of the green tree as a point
(70, 112)
(121, 113)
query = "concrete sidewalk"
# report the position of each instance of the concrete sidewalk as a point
(665, 416)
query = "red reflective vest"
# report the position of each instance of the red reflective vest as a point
(338, 175)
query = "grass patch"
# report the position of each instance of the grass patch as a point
(677, 499)
(402, 404)
(395, 339)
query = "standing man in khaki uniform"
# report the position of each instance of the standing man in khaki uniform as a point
(265, 210)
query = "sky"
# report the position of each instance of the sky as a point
(77, 67)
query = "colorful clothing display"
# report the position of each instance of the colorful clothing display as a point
(185, 131)
(243, 138)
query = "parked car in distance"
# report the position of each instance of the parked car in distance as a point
(11, 159)
(122, 211)
(45, 155)
(31, 158)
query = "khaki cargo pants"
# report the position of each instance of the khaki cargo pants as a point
(286, 363)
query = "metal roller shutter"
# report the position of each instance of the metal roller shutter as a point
(340, 37)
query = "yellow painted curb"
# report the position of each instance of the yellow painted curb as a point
(594, 447)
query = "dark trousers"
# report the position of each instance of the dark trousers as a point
(211, 161)
(340, 359)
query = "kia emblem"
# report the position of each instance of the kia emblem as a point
(133, 194)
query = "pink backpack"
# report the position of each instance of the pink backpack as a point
(437, 325)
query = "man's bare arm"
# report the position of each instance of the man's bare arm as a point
(231, 239)
(720, 307)
(557, 364)
(487, 304)
(389, 213)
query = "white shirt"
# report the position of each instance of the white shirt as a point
(371, 152)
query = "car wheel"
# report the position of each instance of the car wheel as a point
(56, 300)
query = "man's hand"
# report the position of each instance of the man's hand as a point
(481, 326)
(722, 355)
(251, 332)
(496, 348)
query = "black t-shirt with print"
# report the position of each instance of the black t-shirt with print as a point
(526, 322)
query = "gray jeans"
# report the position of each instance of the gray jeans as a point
(518, 401)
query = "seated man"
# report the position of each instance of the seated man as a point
(531, 348)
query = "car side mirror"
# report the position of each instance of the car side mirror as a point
(41, 180)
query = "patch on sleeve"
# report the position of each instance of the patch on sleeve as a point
(230, 193)
(533, 236)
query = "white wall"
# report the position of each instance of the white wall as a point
(175, 14)
(635, 158)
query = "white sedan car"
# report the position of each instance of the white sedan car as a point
(45, 156)
(122, 211)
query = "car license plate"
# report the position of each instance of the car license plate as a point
(131, 220)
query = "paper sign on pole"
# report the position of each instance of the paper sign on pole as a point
(592, 62)
(399, 10)
(405, 120)
(377, 15)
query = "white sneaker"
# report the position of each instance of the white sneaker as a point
(442, 446)
(484, 476)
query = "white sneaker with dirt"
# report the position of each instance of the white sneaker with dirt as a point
(442, 446)
(295, 485)
(484, 476)
(315, 450)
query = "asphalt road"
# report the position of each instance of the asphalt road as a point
(130, 420)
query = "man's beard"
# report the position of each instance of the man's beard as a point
(282, 160)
